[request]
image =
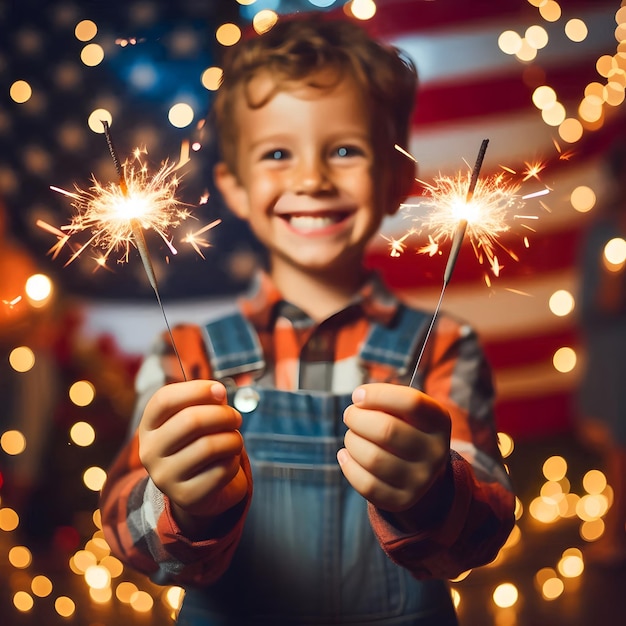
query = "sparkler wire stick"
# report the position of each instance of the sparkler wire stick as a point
(457, 240)
(140, 241)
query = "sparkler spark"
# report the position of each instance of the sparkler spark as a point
(196, 242)
(486, 213)
(111, 213)
(489, 212)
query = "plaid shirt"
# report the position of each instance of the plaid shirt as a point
(460, 523)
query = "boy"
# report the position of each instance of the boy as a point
(308, 486)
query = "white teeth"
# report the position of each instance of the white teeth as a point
(310, 222)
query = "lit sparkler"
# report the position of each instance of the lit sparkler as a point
(459, 221)
(117, 214)
(480, 209)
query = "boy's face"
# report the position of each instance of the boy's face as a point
(305, 177)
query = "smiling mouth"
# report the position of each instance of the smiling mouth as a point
(314, 222)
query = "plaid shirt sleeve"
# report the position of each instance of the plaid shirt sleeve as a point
(466, 516)
(136, 516)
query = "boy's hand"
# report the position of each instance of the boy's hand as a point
(397, 444)
(190, 445)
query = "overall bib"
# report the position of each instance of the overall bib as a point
(308, 554)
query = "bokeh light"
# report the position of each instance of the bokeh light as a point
(615, 251)
(82, 393)
(228, 34)
(20, 91)
(264, 20)
(97, 117)
(38, 289)
(82, 434)
(94, 478)
(564, 359)
(85, 30)
(505, 595)
(583, 199)
(180, 115)
(211, 78)
(92, 54)
(561, 303)
(13, 442)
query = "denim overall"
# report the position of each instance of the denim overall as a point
(308, 554)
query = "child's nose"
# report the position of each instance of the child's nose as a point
(311, 176)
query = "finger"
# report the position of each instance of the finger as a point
(193, 459)
(370, 487)
(378, 462)
(406, 403)
(394, 435)
(171, 399)
(204, 452)
(194, 422)
(196, 498)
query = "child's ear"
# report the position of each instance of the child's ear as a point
(232, 191)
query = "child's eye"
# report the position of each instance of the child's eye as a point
(347, 151)
(275, 155)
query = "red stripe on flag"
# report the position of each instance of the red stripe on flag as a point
(530, 349)
(536, 416)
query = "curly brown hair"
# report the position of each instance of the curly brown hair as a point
(296, 49)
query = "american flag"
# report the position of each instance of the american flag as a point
(471, 90)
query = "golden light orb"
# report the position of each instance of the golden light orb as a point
(41, 586)
(264, 20)
(544, 96)
(594, 481)
(550, 11)
(505, 595)
(561, 303)
(64, 606)
(92, 54)
(552, 588)
(576, 30)
(22, 359)
(94, 478)
(13, 442)
(20, 557)
(211, 78)
(9, 519)
(615, 251)
(23, 601)
(228, 34)
(82, 434)
(362, 9)
(82, 393)
(554, 468)
(583, 198)
(509, 42)
(570, 130)
(97, 117)
(536, 36)
(141, 601)
(180, 115)
(591, 530)
(564, 359)
(20, 91)
(554, 114)
(125, 591)
(85, 30)
(97, 576)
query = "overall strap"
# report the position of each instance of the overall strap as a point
(395, 347)
(233, 346)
